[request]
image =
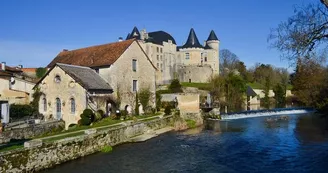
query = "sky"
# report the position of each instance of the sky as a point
(32, 33)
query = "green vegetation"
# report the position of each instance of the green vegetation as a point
(13, 147)
(191, 123)
(158, 101)
(107, 149)
(144, 98)
(255, 85)
(63, 137)
(280, 95)
(175, 86)
(20, 111)
(40, 72)
(87, 117)
(201, 86)
(167, 110)
(136, 107)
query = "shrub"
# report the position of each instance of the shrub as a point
(107, 149)
(144, 97)
(175, 86)
(137, 104)
(158, 101)
(191, 123)
(20, 111)
(167, 110)
(87, 117)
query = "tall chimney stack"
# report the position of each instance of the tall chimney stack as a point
(3, 66)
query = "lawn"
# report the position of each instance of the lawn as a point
(63, 136)
(201, 86)
(13, 147)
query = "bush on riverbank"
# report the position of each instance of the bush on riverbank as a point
(191, 123)
(107, 149)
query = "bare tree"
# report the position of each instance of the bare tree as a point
(303, 33)
(228, 61)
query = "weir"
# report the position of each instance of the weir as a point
(261, 113)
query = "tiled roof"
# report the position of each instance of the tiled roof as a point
(86, 77)
(29, 70)
(94, 56)
(11, 69)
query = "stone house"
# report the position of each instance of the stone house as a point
(191, 62)
(123, 65)
(67, 90)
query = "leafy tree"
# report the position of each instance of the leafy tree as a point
(175, 86)
(235, 90)
(266, 92)
(36, 98)
(280, 95)
(40, 72)
(158, 101)
(144, 97)
(217, 86)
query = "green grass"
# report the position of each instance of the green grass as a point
(255, 85)
(201, 86)
(63, 137)
(191, 123)
(13, 147)
(107, 149)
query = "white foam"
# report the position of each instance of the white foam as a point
(262, 114)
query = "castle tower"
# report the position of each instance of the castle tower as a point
(192, 41)
(213, 41)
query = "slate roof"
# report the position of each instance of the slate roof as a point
(192, 41)
(94, 56)
(86, 77)
(134, 34)
(11, 69)
(250, 91)
(158, 37)
(212, 36)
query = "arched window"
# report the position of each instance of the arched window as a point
(72, 106)
(44, 103)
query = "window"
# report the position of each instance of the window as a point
(157, 65)
(97, 70)
(187, 56)
(157, 49)
(161, 58)
(57, 79)
(189, 80)
(205, 59)
(72, 105)
(161, 50)
(157, 57)
(135, 85)
(134, 65)
(44, 103)
(162, 66)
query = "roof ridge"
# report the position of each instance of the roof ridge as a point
(117, 42)
(70, 65)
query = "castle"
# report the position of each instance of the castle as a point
(191, 62)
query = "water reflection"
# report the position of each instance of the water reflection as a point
(311, 129)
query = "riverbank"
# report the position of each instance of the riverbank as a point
(44, 155)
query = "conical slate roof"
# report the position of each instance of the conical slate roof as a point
(192, 41)
(212, 36)
(128, 36)
(135, 34)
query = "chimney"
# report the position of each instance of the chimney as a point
(3, 66)
(65, 50)
(120, 39)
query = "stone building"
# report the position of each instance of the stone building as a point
(123, 65)
(192, 62)
(67, 90)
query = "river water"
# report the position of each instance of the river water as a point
(296, 144)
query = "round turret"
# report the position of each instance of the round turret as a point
(212, 41)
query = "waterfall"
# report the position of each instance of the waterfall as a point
(261, 113)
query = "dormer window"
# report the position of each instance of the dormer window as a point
(57, 79)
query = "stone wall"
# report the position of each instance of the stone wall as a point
(195, 73)
(30, 131)
(48, 155)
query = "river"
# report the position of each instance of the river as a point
(298, 144)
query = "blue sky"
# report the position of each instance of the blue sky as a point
(32, 33)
